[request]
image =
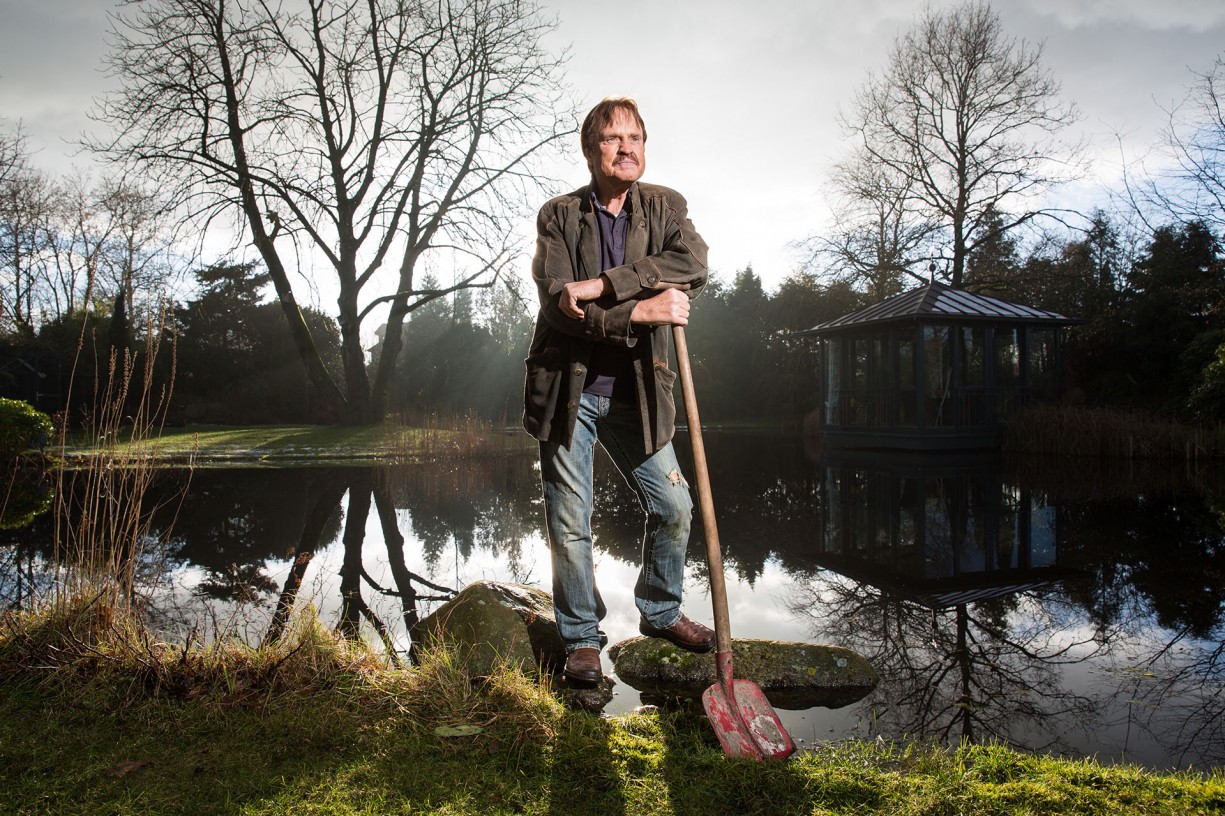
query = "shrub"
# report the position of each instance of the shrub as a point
(1208, 397)
(24, 496)
(22, 427)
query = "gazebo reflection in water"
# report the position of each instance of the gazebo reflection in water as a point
(938, 530)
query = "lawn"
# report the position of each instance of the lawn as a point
(278, 445)
(98, 717)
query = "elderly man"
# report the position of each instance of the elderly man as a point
(616, 264)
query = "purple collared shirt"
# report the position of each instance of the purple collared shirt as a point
(609, 373)
(612, 230)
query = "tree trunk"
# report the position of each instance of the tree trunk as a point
(324, 386)
(359, 409)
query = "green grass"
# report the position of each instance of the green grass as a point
(294, 444)
(98, 718)
(92, 749)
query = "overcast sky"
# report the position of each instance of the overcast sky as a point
(740, 98)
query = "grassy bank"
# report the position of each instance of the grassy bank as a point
(252, 446)
(98, 717)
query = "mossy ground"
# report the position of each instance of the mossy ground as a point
(95, 751)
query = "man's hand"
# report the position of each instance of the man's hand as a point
(573, 295)
(669, 308)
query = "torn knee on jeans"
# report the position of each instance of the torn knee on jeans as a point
(675, 477)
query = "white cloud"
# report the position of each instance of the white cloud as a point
(1192, 15)
(741, 98)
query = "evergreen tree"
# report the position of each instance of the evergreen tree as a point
(1173, 316)
(236, 361)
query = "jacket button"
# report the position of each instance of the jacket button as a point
(578, 371)
(651, 279)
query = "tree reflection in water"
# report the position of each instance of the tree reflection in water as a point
(967, 671)
(1152, 555)
(1076, 607)
(947, 589)
(983, 600)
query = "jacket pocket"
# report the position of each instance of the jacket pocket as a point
(664, 376)
(541, 386)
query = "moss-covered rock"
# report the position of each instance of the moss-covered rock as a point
(489, 621)
(792, 675)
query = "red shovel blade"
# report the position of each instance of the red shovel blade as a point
(745, 723)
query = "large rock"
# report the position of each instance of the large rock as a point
(490, 621)
(792, 675)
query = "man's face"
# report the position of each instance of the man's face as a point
(621, 153)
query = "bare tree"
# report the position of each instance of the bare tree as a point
(969, 122)
(67, 243)
(136, 258)
(1190, 184)
(12, 153)
(112, 239)
(355, 133)
(27, 212)
(877, 236)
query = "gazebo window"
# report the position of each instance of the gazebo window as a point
(976, 403)
(833, 381)
(907, 395)
(858, 399)
(1043, 364)
(938, 352)
(1009, 382)
(1007, 358)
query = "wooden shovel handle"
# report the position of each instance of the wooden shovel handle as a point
(706, 502)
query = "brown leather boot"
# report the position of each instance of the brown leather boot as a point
(583, 667)
(688, 634)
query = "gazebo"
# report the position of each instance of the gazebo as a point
(935, 368)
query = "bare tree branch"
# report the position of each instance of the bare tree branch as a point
(358, 132)
(964, 122)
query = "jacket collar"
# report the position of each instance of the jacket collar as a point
(635, 237)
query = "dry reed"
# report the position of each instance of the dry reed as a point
(433, 436)
(1109, 433)
(101, 522)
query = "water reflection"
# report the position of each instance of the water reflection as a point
(936, 531)
(954, 596)
(1059, 608)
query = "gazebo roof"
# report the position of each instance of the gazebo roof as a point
(937, 302)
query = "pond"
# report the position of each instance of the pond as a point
(1068, 607)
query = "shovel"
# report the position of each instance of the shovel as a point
(743, 719)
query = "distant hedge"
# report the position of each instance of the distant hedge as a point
(22, 427)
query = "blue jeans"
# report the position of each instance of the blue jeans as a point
(664, 495)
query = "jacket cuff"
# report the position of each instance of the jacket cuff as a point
(611, 325)
(629, 280)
